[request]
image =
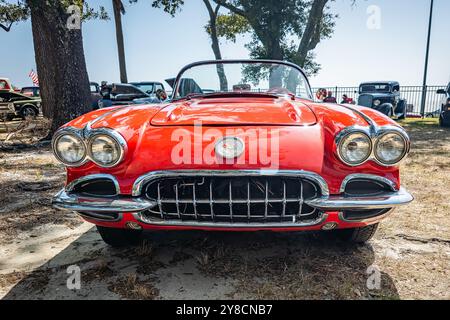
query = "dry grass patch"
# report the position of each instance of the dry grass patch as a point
(130, 287)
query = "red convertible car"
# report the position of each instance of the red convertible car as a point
(240, 146)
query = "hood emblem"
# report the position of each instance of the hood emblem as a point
(230, 147)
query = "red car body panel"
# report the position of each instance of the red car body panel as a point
(301, 147)
(306, 133)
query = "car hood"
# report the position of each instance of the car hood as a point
(235, 111)
(378, 95)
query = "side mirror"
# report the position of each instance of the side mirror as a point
(441, 91)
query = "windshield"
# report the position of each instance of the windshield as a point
(213, 77)
(147, 88)
(375, 87)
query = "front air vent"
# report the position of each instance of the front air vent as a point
(96, 187)
(365, 187)
(354, 215)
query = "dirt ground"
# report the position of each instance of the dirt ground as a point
(411, 250)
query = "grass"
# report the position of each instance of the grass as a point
(418, 122)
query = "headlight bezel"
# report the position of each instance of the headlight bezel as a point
(77, 136)
(344, 138)
(87, 136)
(375, 133)
(385, 132)
(112, 136)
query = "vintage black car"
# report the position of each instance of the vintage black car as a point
(383, 96)
(124, 94)
(30, 91)
(149, 87)
(19, 105)
(444, 116)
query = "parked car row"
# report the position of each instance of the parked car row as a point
(17, 105)
(383, 96)
(106, 95)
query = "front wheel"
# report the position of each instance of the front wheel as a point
(120, 237)
(28, 112)
(356, 235)
(442, 123)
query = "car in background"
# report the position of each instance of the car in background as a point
(383, 96)
(95, 94)
(149, 87)
(5, 84)
(31, 91)
(19, 105)
(444, 114)
(124, 94)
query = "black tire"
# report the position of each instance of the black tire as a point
(356, 235)
(401, 108)
(442, 123)
(28, 112)
(120, 237)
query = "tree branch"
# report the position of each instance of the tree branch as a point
(6, 28)
(232, 8)
(311, 35)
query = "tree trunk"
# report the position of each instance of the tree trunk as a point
(117, 4)
(310, 39)
(215, 44)
(61, 66)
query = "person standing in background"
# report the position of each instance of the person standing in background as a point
(330, 98)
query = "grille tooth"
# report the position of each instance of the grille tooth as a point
(239, 199)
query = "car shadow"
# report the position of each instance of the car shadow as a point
(210, 265)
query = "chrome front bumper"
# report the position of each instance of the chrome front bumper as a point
(80, 203)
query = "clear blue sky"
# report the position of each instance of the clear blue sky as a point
(157, 46)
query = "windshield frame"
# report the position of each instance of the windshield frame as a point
(247, 61)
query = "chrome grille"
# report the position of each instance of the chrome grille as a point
(237, 199)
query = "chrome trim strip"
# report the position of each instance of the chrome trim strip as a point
(200, 224)
(69, 188)
(383, 201)
(370, 177)
(373, 125)
(369, 220)
(104, 115)
(79, 203)
(146, 178)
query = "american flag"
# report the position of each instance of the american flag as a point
(34, 78)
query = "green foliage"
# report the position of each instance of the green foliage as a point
(169, 6)
(13, 12)
(277, 28)
(230, 25)
(20, 11)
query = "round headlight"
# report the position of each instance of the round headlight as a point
(105, 150)
(376, 103)
(69, 149)
(355, 148)
(390, 148)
